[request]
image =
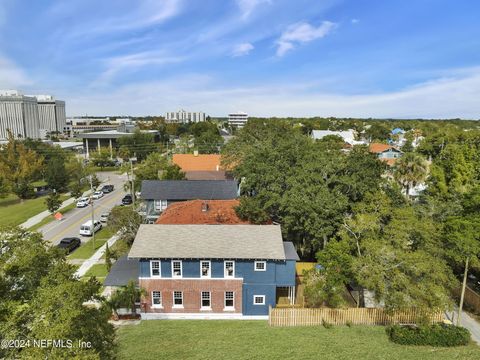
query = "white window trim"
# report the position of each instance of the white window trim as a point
(209, 269)
(260, 262)
(262, 296)
(173, 298)
(159, 269)
(209, 298)
(181, 270)
(159, 306)
(225, 269)
(225, 307)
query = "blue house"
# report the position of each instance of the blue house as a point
(206, 270)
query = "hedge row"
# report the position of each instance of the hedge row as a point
(433, 335)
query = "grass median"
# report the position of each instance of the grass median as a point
(87, 249)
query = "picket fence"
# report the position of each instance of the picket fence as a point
(353, 316)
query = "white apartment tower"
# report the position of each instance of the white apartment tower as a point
(51, 114)
(237, 119)
(30, 116)
(18, 114)
(182, 116)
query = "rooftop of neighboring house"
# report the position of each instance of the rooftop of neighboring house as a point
(209, 242)
(123, 270)
(207, 175)
(202, 212)
(397, 131)
(348, 136)
(377, 148)
(197, 162)
(189, 189)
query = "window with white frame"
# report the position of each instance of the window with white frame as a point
(206, 300)
(205, 269)
(155, 268)
(176, 268)
(258, 299)
(260, 265)
(160, 205)
(229, 300)
(156, 299)
(177, 299)
(229, 269)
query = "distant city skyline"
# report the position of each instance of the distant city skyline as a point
(344, 58)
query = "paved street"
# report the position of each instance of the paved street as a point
(70, 225)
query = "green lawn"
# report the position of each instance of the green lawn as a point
(97, 270)
(86, 250)
(15, 212)
(208, 339)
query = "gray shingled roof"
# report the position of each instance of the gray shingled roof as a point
(122, 271)
(189, 189)
(290, 252)
(208, 242)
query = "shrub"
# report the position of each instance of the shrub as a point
(326, 324)
(349, 323)
(433, 335)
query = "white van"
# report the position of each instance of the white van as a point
(87, 229)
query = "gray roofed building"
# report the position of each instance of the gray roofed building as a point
(290, 252)
(208, 242)
(189, 189)
(122, 271)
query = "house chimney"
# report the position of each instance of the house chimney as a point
(204, 206)
(195, 152)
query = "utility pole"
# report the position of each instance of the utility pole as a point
(131, 182)
(93, 212)
(464, 284)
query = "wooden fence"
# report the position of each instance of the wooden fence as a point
(354, 316)
(472, 299)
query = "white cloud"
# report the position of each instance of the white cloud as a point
(248, 6)
(354, 21)
(300, 33)
(242, 49)
(132, 62)
(448, 97)
(11, 75)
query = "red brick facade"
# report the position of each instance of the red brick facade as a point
(192, 290)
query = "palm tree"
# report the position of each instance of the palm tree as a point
(130, 294)
(410, 170)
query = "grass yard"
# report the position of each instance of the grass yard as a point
(97, 270)
(86, 250)
(209, 339)
(15, 212)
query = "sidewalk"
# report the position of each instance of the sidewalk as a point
(87, 264)
(467, 322)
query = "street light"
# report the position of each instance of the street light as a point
(132, 189)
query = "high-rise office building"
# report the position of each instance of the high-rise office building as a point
(18, 114)
(30, 116)
(237, 119)
(182, 116)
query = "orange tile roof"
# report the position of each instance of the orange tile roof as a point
(190, 212)
(191, 162)
(378, 147)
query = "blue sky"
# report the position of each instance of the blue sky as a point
(356, 58)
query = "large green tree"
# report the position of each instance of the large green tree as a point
(410, 170)
(41, 298)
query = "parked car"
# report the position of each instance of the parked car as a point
(83, 201)
(97, 195)
(104, 217)
(89, 228)
(69, 244)
(107, 189)
(127, 200)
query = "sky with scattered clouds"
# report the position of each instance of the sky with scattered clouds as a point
(353, 58)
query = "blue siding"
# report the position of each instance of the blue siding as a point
(144, 268)
(245, 269)
(249, 290)
(166, 267)
(285, 273)
(191, 268)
